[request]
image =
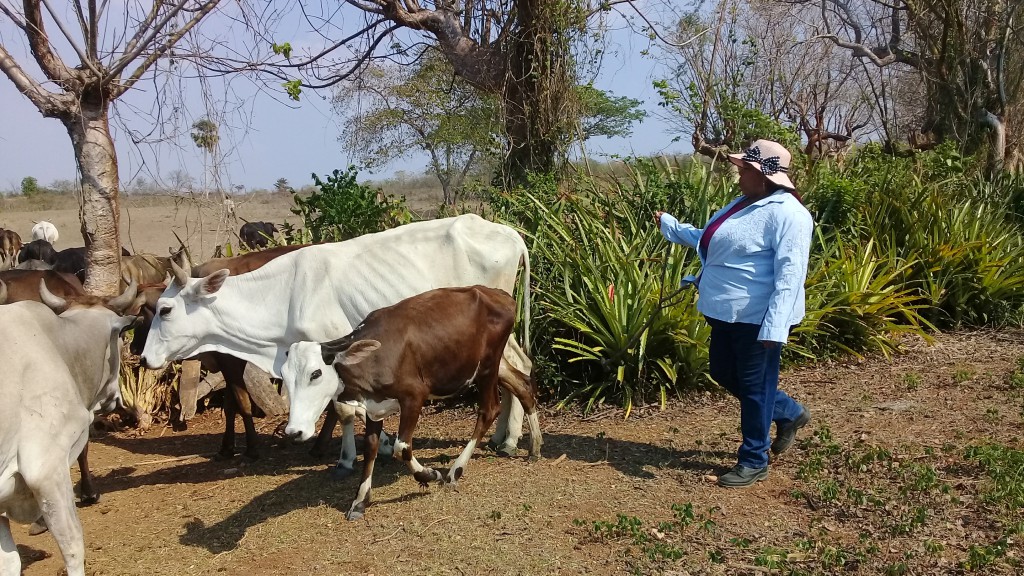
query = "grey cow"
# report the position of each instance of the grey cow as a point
(58, 369)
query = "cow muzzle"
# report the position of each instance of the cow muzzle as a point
(297, 434)
(152, 364)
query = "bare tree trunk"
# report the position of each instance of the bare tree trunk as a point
(998, 154)
(97, 164)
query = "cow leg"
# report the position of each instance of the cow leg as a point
(227, 444)
(370, 440)
(515, 383)
(346, 460)
(233, 370)
(487, 410)
(509, 429)
(326, 432)
(410, 409)
(56, 498)
(89, 495)
(10, 561)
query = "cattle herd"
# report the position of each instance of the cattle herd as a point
(363, 329)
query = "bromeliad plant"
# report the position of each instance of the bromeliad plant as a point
(611, 310)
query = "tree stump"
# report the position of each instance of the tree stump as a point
(263, 392)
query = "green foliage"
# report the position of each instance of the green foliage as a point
(341, 208)
(282, 49)
(396, 111)
(205, 134)
(293, 88)
(29, 186)
(1005, 469)
(606, 115)
(603, 277)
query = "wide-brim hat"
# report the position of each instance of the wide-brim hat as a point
(771, 158)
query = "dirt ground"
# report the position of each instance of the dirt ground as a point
(168, 508)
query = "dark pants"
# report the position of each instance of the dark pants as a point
(750, 372)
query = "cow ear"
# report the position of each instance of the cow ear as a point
(136, 306)
(212, 283)
(357, 352)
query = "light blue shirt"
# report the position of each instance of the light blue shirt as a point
(756, 264)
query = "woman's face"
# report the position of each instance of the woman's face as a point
(752, 181)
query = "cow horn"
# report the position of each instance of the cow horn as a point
(3, 292)
(56, 303)
(180, 276)
(121, 302)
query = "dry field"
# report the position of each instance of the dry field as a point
(881, 483)
(149, 223)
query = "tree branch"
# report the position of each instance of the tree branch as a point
(92, 40)
(14, 17)
(47, 102)
(658, 35)
(86, 61)
(39, 43)
(130, 55)
(159, 52)
(143, 27)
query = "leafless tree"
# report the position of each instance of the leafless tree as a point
(116, 47)
(754, 74)
(967, 54)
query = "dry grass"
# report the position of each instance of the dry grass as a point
(282, 514)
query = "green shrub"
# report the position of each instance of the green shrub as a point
(341, 208)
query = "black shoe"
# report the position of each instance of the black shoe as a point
(785, 434)
(741, 477)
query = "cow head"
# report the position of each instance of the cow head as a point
(310, 384)
(117, 314)
(182, 316)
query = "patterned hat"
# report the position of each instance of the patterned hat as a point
(771, 158)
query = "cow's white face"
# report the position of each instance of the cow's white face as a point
(311, 385)
(108, 397)
(182, 320)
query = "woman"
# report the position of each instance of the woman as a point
(754, 255)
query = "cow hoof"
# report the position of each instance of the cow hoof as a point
(426, 476)
(37, 527)
(355, 514)
(452, 478)
(223, 456)
(505, 451)
(340, 472)
(89, 499)
(250, 458)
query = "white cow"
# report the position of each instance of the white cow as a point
(57, 371)
(322, 292)
(44, 230)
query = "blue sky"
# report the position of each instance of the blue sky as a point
(289, 140)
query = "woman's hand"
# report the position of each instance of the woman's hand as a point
(657, 217)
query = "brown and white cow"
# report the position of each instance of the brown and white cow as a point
(437, 344)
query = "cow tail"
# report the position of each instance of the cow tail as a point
(526, 301)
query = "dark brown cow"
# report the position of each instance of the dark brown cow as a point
(20, 285)
(256, 235)
(10, 246)
(434, 345)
